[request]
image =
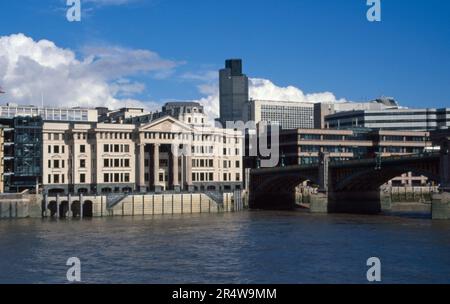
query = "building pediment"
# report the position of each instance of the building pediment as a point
(166, 124)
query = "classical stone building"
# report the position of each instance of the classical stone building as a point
(165, 154)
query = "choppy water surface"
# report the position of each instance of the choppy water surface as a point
(247, 247)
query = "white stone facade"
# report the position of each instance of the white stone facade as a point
(107, 157)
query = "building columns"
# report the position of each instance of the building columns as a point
(189, 182)
(141, 169)
(156, 183)
(175, 181)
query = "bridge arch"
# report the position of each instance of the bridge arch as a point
(88, 208)
(371, 180)
(76, 209)
(286, 182)
(63, 209)
(53, 207)
(277, 191)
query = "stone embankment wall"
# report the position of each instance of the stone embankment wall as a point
(20, 206)
(62, 206)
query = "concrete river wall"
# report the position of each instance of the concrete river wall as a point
(67, 206)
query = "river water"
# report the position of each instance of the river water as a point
(247, 247)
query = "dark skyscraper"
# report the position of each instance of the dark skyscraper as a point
(233, 92)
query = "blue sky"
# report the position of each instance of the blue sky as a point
(313, 45)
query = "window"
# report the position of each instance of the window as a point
(116, 148)
(49, 163)
(106, 178)
(49, 179)
(161, 177)
(56, 137)
(82, 149)
(62, 164)
(106, 148)
(127, 178)
(63, 149)
(106, 163)
(117, 163)
(62, 179)
(238, 164)
(82, 163)
(127, 163)
(127, 148)
(56, 179)
(238, 177)
(211, 176)
(224, 177)
(82, 178)
(49, 149)
(56, 149)
(56, 164)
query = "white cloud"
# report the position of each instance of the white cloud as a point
(266, 90)
(29, 69)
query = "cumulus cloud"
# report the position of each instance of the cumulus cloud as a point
(266, 90)
(30, 69)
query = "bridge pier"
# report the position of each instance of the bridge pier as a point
(359, 202)
(441, 201)
(319, 203)
(273, 200)
(440, 208)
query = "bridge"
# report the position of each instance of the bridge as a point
(352, 186)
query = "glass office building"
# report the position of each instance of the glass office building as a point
(391, 119)
(288, 115)
(22, 153)
(49, 113)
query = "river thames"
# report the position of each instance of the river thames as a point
(246, 247)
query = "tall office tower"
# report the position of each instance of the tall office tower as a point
(233, 92)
